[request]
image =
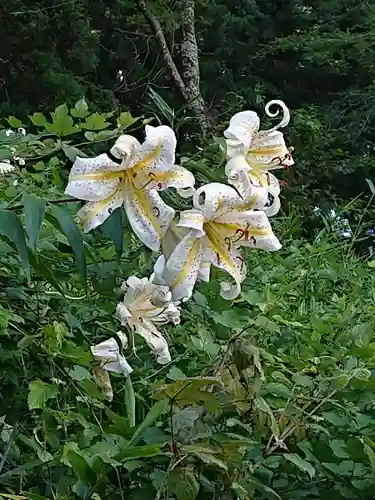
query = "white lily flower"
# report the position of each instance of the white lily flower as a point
(110, 357)
(132, 178)
(263, 150)
(214, 229)
(146, 304)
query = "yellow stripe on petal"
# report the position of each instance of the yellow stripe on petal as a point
(190, 260)
(220, 247)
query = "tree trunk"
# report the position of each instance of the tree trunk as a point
(190, 64)
(188, 84)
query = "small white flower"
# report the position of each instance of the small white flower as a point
(9, 132)
(146, 304)
(6, 168)
(22, 131)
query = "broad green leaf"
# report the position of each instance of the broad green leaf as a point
(38, 119)
(39, 393)
(14, 122)
(113, 228)
(80, 109)
(183, 484)
(300, 463)
(43, 270)
(254, 484)
(81, 468)
(156, 410)
(207, 455)
(125, 120)
(129, 400)
(72, 152)
(70, 229)
(90, 136)
(34, 208)
(62, 124)
(11, 227)
(95, 121)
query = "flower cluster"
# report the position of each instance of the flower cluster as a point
(223, 218)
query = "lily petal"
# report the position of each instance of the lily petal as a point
(176, 177)
(93, 179)
(158, 150)
(254, 191)
(181, 269)
(154, 340)
(248, 228)
(108, 353)
(126, 148)
(148, 216)
(94, 213)
(214, 199)
(242, 127)
(268, 152)
(229, 260)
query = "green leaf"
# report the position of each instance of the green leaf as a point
(134, 452)
(371, 455)
(263, 406)
(125, 120)
(34, 208)
(113, 228)
(11, 227)
(81, 468)
(62, 124)
(80, 109)
(183, 484)
(176, 390)
(39, 393)
(38, 119)
(72, 152)
(253, 484)
(162, 106)
(95, 121)
(207, 455)
(300, 463)
(45, 272)
(70, 229)
(14, 122)
(129, 401)
(156, 410)
(371, 186)
(90, 136)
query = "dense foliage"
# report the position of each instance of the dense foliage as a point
(267, 396)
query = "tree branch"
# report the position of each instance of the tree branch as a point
(189, 84)
(165, 52)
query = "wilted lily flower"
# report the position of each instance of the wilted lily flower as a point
(261, 150)
(109, 354)
(146, 304)
(131, 175)
(214, 229)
